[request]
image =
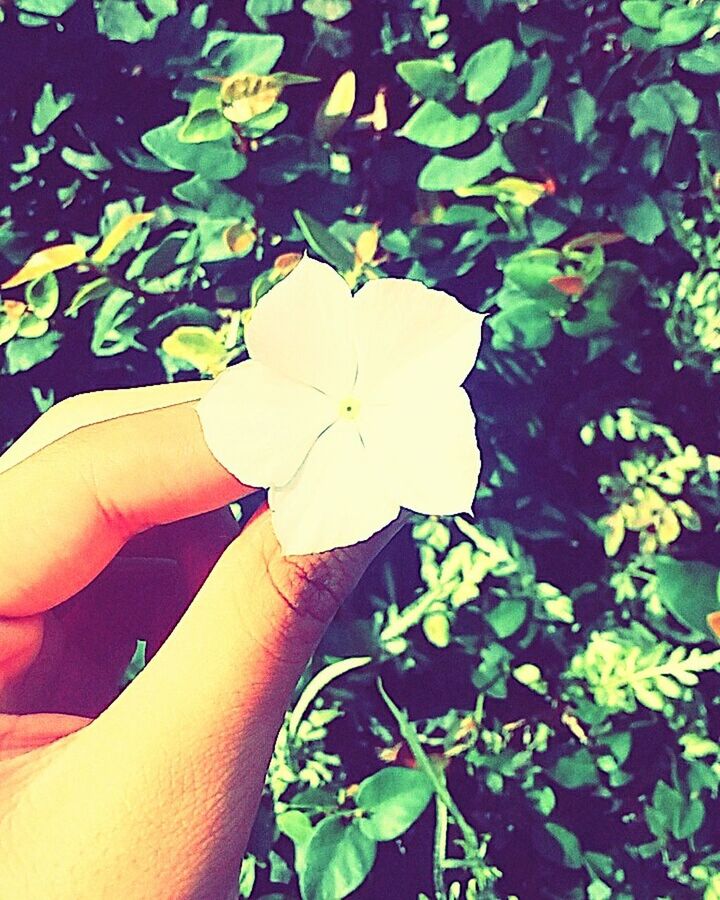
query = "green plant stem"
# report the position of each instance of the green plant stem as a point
(412, 615)
(407, 730)
(319, 683)
(440, 848)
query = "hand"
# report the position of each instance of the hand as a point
(152, 793)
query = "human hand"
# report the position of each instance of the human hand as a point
(151, 793)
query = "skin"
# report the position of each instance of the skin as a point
(148, 792)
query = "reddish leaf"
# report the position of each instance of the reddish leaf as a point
(570, 285)
(286, 262)
(594, 239)
(713, 621)
(13, 308)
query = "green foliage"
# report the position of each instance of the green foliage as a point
(549, 656)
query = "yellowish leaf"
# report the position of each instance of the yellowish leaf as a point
(668, 527)
(11, 314)
(32, 327)
(14, 308)
(335, 110)
(367, 244)
(244, 99)
(437, 629)
(637, 515)
(240, 237)
(378, 118)
(246, 95)
(118, 233)
(687, 515)
(200, 347)
(48, 260)
(614, 532)
(648, 542)
(516, 190)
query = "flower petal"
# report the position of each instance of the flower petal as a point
(409, 335)
(427, 448)
(260, 425)
(302, 328)
(336, 498)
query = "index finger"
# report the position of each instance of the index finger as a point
(69, 507)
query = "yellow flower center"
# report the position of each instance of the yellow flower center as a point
(349, 408)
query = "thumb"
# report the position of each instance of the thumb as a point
(172, 772)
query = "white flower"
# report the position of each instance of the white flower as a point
(349, 407)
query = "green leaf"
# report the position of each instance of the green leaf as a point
(204, 120)
(572, 854)
(576, 771)
(660, 106)
(543, 799)
(704, 60)
(97, 289)
(42, 295)
(486, 69)
(532, 270)
(90, 164)
(231, 52)
(667, 804)
(298, 827)
(433, 125)
(111, 333)
(48, 108)
(9, 324)
(45, 7)
(32, 327)
(642, 219)
(338, 858)
(218, 161)
(259, 10)
(327, 10)
(689, 820)
(595, 320)
(690, 590)
(324, 243)
(443, 173)
(429, 78)
(213, 197)
(525, 324)
(507, 617)
(680, 25)
(131, 21)
(583, 109)
(136, 664)
(22, 354)
(644, 13)
(260, 124)
(394, 798)
(537, 75)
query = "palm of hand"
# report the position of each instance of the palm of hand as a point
(152, 792)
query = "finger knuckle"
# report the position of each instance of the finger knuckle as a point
(312, 587)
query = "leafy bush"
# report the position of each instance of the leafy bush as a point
(555, 164)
